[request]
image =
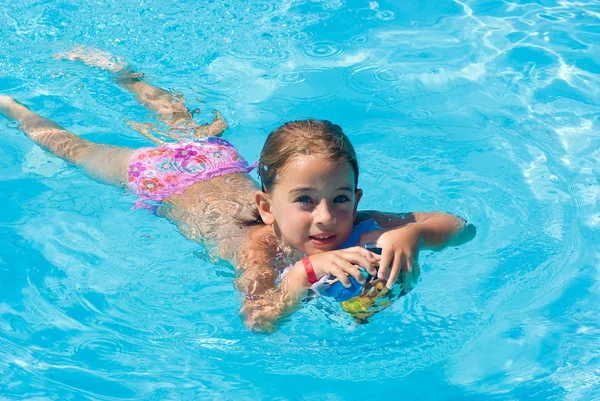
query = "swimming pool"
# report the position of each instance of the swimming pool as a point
(486, 109)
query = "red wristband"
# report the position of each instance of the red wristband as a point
(310, 272)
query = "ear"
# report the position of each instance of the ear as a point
(263, 204)
(357, 197)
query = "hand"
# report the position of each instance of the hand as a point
(345, 262)
(400, 249)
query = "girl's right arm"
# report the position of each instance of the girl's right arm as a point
(265, 304)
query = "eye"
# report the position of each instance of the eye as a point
(341, 199)
(304, 199)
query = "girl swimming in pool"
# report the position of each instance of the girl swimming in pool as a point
(297, 229)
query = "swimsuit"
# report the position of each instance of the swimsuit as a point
(159, 172)
(362, 228)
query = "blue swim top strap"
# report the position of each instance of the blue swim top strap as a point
(362, 228)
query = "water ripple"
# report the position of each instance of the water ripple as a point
(359, 39)
(294, 77)
(419, 114)
(371, 79)
(324, 49)
(92, 348)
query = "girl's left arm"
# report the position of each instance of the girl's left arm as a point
(436, 229)
(404, 234)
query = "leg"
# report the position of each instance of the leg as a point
(105, 163)
(169, 108)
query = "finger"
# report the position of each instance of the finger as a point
(407, 267)
(373, 257)
(384, 263)
(340, 274)
(395, 270)
(365, 260)
(407, 275)
(362, 261)
(351, 270)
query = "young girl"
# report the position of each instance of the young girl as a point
(301, 225)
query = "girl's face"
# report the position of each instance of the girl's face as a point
(313, 204)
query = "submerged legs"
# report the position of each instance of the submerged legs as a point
(104, 163)
(170, 108)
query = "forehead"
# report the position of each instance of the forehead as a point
(311, 170)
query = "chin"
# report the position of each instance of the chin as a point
(314, 250)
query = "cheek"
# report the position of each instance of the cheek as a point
(296, 218)
(304, 219)
(284, 211)
(345, 211)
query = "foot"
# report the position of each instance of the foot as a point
(218, 125)
(215, 128)
(7, 106)
(95, 58)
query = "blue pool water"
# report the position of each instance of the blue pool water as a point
(487, 109)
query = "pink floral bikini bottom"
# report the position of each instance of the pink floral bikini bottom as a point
(159, 172)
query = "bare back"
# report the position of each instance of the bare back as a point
(213, 212)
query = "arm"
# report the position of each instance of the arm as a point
(436, 230)
(439, 230)
(265, 305)
(403, 235)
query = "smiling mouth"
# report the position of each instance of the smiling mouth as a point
(323, 239)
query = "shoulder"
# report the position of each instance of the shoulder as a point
(257, 250)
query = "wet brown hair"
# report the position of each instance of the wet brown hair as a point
(303, 137)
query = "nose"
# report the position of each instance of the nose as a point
(324, 214)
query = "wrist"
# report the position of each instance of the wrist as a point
(299, 274)
(420, 231)
(311, 276)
